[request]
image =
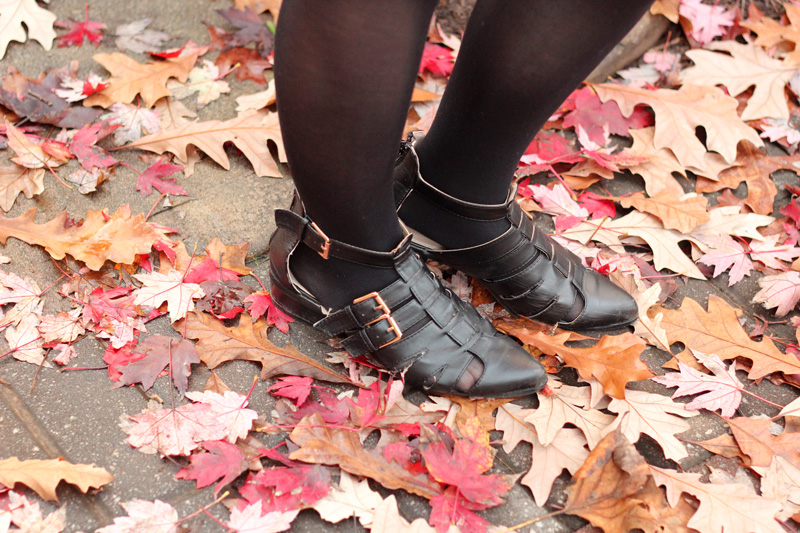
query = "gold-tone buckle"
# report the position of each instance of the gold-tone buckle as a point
(386, 315)
(378, 300)
(326, 246)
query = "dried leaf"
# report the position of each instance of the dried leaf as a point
(322, 444)
(170, 288)
(152, 517)
(757, 442)
(718, 331)
(43, 476)
(352, 498)
(567, 451)
(119, 238)
(130, 78)
(37, 20)
(679, 112)
(722, 390)
(682, 212)
(16, 179)
(249, 132)
(248, 341)
(779, 290)
(652, 414)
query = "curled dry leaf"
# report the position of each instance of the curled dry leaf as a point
(43, 476)
(718, 331)
(217, 344)
(755, 439)
(249, 132)
(322, 444)
(16, 179)
(118, 238)
(37, 20)
(680, 212)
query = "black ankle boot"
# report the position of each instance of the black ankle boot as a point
(525, 270)
(413, 326)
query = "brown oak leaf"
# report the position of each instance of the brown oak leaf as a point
(614, 361)
(249, 132)
(754, 169)
(676, 211)
(130, 78)
(718, 331)
(118, 238)
(760, 445)
(322, 444)
(614, 491)
(16, 179)
(248, 341)
(43, 476)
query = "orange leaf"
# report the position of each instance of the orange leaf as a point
(754, 438)
(322, 444)
(614, 361)
(230, 256)
(718, 331)
(43, 476)
(674, 210)
(130, 78)
(118, 238)
(217, 344)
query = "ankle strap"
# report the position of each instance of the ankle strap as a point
(412, 180)
(307, 232)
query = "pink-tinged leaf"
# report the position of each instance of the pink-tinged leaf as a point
(91, 29)
(230, 410)
(152, 517)
(170, 288)
(63, 327)
(155, 176)
(450, 507)
(116, 358)
(209, 270)
(260, 303)
(283, 489)
(295, 388)
(779, 290)
(597, 206)
(597, 119)
(364, 411)
(721, 390)
(176, 431)
(65, 352)
(221, 462)
(333, 410)
(461, 469)
(250, 520)
(557, 201)
(83, 145)
(161, 352)
(436, 59)
(771, 254)
(547, 149)
(708, 21)
(723, 253)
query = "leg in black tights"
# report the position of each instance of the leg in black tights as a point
(344, 73)
(518, 61)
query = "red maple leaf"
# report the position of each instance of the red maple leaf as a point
(83, 145)
(545, 150)
(462, 470)
(405, 455)
(160, 352)
(91, 29)
(116, 303)
(295, 388)
(222, 461)
(260, 303)
(449, 508)
(117, 358)
(436, 59)
(155, 176)
(598, 206)
(286, 488)
(332, 409)
(209, 270)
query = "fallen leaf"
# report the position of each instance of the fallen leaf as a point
(249, 520)
(176, 431)
(613, 491)
(229, 408)
(222, 462)
(567, 451)
(203, 80)
(152, 517)
(707, 22)
(322, 444)
(682, 212)
(170, 288)
(27, 515)
(723, 253)
(37, 20)
(779, 290)
(30, 154)
(155, 176)
(137, 38)
(679, 112)
(249, 132)
(781, 482)
(16, 180)
(654, 415)
(133, 121)
(387, 519)
(723, 507)
(119, 238)
(755, 439)
(43, 476)
(722, 390)
(84, 147)
(217, 344)
(247, 63)
(724, 445)
(718, 331)
(161, 352)
(352, 498)
(130, 78)
(771, 32)
(90, 29)
(614, 361)
(62, 328)
(568, 405)
(25, 342)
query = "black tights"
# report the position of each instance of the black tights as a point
(345, 71)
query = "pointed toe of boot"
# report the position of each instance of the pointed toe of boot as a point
(606, 306)
(511, 372)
